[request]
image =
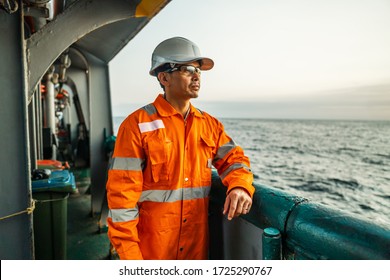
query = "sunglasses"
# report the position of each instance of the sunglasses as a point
(186, 69)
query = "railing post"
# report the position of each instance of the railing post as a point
(271, 244)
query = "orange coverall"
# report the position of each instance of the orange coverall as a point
(159, 180)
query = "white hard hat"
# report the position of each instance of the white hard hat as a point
(178, 50)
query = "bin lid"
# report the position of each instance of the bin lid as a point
(58, 181)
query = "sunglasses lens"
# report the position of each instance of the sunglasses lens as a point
(188, 69)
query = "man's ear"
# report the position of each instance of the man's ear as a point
(162, 77)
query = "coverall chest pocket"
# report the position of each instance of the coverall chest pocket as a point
(207, 150)
(159, 154)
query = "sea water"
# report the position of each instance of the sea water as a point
(342, 164)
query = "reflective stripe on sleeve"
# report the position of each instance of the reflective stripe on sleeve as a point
(224, 150)
(123, 215)
(175, 195)
(150, 126)
(124, 163)
(234, 167)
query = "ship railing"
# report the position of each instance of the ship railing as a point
(281, 225)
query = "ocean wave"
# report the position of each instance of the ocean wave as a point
(373, 161)
(382, 155)
(347, 149)
(366, 207)
(351, 184)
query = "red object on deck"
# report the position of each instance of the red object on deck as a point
(52, 164)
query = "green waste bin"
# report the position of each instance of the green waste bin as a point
(51, 214)
(50, 225)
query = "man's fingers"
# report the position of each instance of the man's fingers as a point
(235, 206)
(240, 207)
(232, 208)
(246, 207)
(226, 205)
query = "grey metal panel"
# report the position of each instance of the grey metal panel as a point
(15, 192)
(100, 113)
(80, 78)
(249, 246)
(105, 43)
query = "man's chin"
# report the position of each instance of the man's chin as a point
(194, 94)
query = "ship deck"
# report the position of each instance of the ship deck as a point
(85, 239)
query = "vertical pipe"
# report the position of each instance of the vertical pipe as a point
(39, 121)
(50, 108)
(32, 132)
(272, 244)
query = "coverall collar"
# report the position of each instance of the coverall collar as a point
(165, 109)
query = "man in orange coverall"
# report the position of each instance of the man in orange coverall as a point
(160, 174)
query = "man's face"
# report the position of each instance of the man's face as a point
(184, 83)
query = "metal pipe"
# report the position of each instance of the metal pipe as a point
(32, 133)
(272, 244)
(39, 121)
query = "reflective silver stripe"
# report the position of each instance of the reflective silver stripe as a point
(150, 126)
(224, 150)
(234, 167)
(150, 109)
(123, 215)
(123, 163)
(175, 195)
(194, 193)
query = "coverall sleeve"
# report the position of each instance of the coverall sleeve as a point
(232, 164)
(124, 188)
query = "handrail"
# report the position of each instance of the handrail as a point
(310, 230)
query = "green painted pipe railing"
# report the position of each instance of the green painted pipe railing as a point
(310, 230)
(272, 244)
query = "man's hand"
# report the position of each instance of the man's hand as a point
(237, 202)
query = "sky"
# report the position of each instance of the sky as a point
(288, 59)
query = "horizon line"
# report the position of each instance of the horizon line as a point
(288, 119)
